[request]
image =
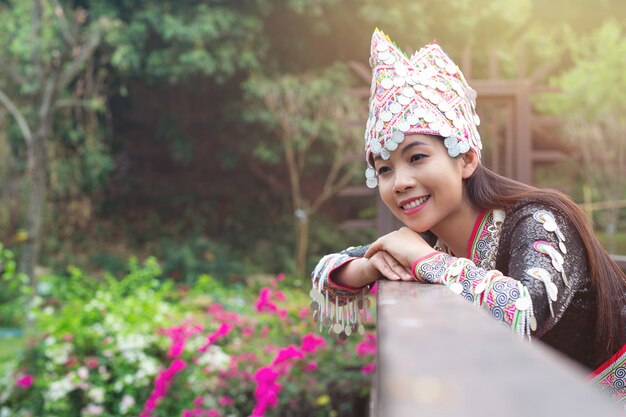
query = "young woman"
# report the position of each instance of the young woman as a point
(525, 255)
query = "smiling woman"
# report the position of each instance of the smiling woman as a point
(525, 255)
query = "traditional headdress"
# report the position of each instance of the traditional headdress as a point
(424, 94)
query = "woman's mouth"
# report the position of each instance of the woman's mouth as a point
(415, 205)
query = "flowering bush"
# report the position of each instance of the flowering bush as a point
(136, 346)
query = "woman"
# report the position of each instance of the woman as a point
(525, 255)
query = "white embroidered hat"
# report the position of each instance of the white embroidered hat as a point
(424, 94)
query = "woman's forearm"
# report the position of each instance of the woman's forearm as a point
(355, 274)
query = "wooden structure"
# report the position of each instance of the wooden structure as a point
(439, 355)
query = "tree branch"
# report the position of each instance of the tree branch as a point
(10, 69)
(263, 174)
(19, 118)
(76, 102)
(70, 39)
(76, 65)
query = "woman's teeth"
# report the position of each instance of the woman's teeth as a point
(415, 203)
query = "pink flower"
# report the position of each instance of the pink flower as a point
(247, 331)
(264, 331)
(279, 295)
(311, 342)
(287, 353)
(222, 331)
(213, 413)
(265, 375)
(161, 386)
(225, 400)
(264, 303)
(92, 362)
(215, 308)
(367, 346)
(280, 277)
(25, 382)
(304, 313)
(311, 366)
(374, 289)
(369, 368)
(179, 336)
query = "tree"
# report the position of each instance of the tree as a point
(594, 108)
(316, 129)
(44, 55)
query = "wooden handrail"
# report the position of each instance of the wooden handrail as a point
(438, 355)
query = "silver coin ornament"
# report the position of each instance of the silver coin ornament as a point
(387, 83)
(456, 288)
(395, 108)
(391, 145)
(523, 303)
(404, 100)
(397, 136)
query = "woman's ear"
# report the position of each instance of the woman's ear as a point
(469, 162)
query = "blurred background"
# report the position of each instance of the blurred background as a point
(224, 138)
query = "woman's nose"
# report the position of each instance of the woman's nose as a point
(403, 180)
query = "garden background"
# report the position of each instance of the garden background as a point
(169, 173)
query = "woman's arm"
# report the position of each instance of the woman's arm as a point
(341, 285)
(543, 271)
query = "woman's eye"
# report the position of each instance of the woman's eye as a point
(382, 170)
(417, 157)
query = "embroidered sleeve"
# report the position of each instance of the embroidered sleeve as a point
(506, 299)
(339, 308)
(544, 268)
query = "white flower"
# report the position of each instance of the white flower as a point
(126, 404)
(215, 359)
(133, 342)
(104, 373)
(59, 354)
(5, 412)
(128, 379)
(48, 310)
(96, 395)
(59, 389)
(118, 386)
(83, 372)
(93, 410)
(148, 366)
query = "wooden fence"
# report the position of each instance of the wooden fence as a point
(439, 355)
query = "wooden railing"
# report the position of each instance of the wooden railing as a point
(439, 355)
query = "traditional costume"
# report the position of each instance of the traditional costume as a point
(527, 266)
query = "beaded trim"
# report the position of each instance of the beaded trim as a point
(340, 309)
(611, 377)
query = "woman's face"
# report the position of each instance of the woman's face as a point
(420, 183)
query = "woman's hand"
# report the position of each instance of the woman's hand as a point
(389, 267)
(404, 245)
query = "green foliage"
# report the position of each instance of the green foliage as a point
(168, 40)
(452, 22)
(593, 86)
(306, 102)
(14, 289)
